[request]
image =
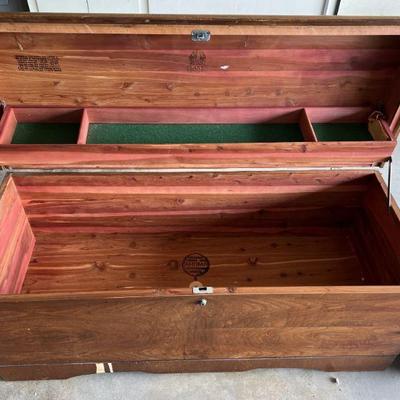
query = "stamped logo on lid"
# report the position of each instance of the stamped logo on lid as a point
(195, 265)
(197, 61)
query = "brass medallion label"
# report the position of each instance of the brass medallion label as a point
(195, 265)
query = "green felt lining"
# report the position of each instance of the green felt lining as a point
(193, 133)
(67, 133)
(46, 133)
(342, 132)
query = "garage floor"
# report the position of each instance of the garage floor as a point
(258, 384)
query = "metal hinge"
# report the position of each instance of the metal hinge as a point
(376, 115)
(4, 171)
(199, 35)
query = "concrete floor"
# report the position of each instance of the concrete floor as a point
(258, 384)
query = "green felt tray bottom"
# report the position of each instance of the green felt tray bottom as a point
(67, 133)
(192, 133)
(46, 133)
(342, 132)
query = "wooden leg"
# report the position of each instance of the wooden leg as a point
(63, 371)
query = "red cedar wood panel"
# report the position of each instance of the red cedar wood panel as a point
(191, 115)
(198, 156)
(169, 326)
(272, 61)
(16, 240)
(158, 24)
(137, 202)
(385, 221)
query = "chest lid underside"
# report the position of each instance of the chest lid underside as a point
(172, 91)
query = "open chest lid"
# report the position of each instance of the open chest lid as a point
(173, 91)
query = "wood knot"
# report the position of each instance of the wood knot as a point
(100, 265)
(126, 85)
(252, 260)
(170, 86)
(173, 264)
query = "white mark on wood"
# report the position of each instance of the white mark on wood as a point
(100, 368)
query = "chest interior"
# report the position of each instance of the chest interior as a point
(122, 232)
(118, 94)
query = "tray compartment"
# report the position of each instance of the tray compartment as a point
(40, 125)
(189, 133)
(342, 132)
(352, 126)
(123, 231)
(194, 126)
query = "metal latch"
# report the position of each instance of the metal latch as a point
(2, 107)
(203, 290)
(200, 35)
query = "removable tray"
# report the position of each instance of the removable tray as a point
(225, 137)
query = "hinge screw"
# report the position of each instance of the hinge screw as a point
(203, 302)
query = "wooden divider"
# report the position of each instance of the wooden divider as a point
(16, 240)
(306, 127)
(84, 128)
(8, 124)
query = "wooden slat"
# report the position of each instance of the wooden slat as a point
(189, 115)
(39, 42)
(228, 25)
(203, 156)
(144, 202)
(177, 60)
(324, 179)
(191, 89)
